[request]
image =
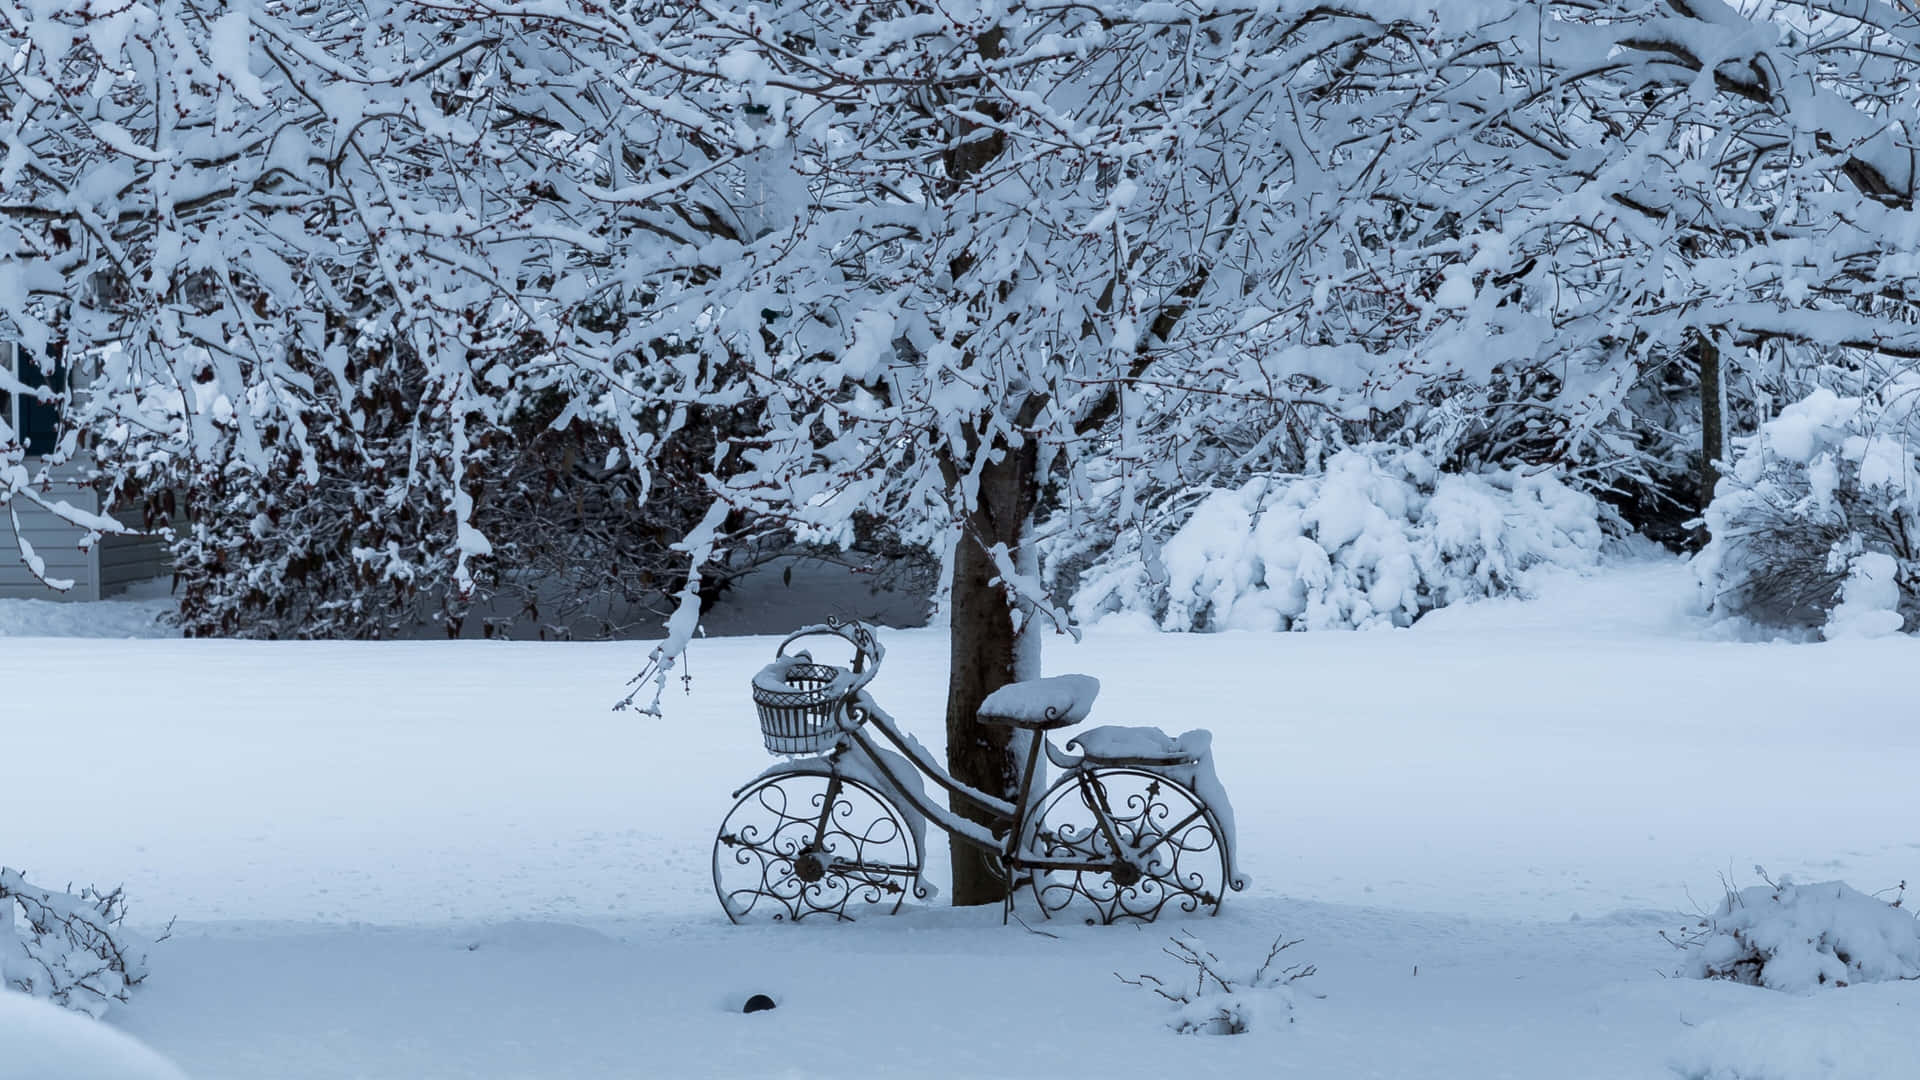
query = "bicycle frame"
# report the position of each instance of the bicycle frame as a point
(1007, 815)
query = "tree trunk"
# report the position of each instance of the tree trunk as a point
(978, 755)
(984, 645)
(982, 640)
(1713, 404)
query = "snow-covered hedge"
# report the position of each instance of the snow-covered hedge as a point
(1799, 938)
(67, 948)
(1377, 538)
(1815, 525)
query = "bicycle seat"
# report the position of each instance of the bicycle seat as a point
(1041, 704)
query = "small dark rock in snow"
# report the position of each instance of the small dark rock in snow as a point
(758, 1003)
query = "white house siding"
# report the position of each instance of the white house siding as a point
(55, 541)
(112, 564)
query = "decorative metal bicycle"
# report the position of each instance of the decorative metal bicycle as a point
(1135, 823)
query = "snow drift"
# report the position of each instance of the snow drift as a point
(39, 1041)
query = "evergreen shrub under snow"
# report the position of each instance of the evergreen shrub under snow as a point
(1799, 938)
(1815, 524)
(1378, 538)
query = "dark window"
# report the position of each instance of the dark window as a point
(39, 420)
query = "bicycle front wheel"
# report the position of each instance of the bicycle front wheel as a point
(805, 843)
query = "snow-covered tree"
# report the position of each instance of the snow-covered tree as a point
(321, 262)
(981, 268)
(209, 208)
(1001, 246)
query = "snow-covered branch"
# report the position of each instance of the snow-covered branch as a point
(68, 948)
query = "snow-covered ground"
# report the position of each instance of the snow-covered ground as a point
(135, 613)
(41, 1041)
(450, 859)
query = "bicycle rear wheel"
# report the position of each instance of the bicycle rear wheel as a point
(1171, 850)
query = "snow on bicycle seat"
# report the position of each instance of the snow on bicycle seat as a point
(1054, 702)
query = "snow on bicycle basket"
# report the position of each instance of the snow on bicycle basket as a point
(798, 701)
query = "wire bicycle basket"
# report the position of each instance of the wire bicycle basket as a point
(804, 705)
(797, 701)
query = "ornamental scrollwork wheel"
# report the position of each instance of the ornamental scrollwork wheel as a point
(1173, 853)
(800, 844)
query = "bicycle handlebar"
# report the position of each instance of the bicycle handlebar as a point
(867, 650)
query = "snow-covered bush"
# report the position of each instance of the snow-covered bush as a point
(1220, 1004)
(1377, 538)
(1799, 938)
(68, 948)
(348, 536)
(1815, 524)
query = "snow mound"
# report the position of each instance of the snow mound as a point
(1799, 938)
(1639, 596)
(39, 1041)
(1377, 539)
